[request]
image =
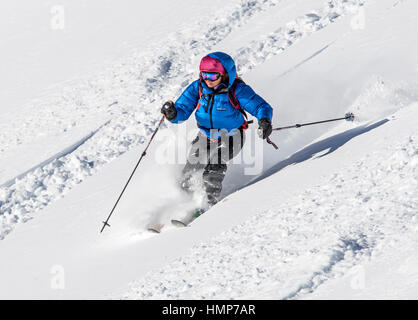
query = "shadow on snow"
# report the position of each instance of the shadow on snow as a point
(331, 144)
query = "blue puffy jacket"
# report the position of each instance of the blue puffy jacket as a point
(222, 115)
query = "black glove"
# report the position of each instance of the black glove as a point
(169, 110)
(264, 128)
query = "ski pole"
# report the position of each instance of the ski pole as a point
(348, 116)
(105, 223)
(272, 143)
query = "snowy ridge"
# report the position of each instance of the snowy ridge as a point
(61, 154)
(125, 84)
(288, 251)
(271, 44)
(118, 92)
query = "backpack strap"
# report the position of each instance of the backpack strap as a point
(234, 101)
(200, 91)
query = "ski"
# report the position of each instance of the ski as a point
(178, 223)
(188, 219)
(155, 227)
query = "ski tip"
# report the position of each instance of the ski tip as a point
(155, 228)
(178, 223)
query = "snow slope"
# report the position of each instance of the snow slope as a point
(356, 204)
(131, 102)
(332, 214)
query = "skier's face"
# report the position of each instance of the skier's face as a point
(213, 84)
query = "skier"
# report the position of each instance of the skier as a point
(220, 99)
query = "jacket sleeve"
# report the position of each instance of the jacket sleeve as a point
(252, 102)
(187, 102)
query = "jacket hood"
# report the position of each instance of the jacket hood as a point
(228, 64)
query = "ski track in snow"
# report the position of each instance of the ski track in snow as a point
(289, 250)
(130, 94)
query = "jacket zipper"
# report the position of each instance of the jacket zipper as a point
(211, 101)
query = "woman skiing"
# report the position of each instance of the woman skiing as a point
(220, 99)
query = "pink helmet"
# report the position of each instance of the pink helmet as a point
(210, 64)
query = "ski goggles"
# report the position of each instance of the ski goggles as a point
(211, 76)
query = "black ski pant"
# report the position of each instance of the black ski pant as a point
(211, 156)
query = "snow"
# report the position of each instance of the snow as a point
(331, 215)
(302, 236)
(43, 39)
